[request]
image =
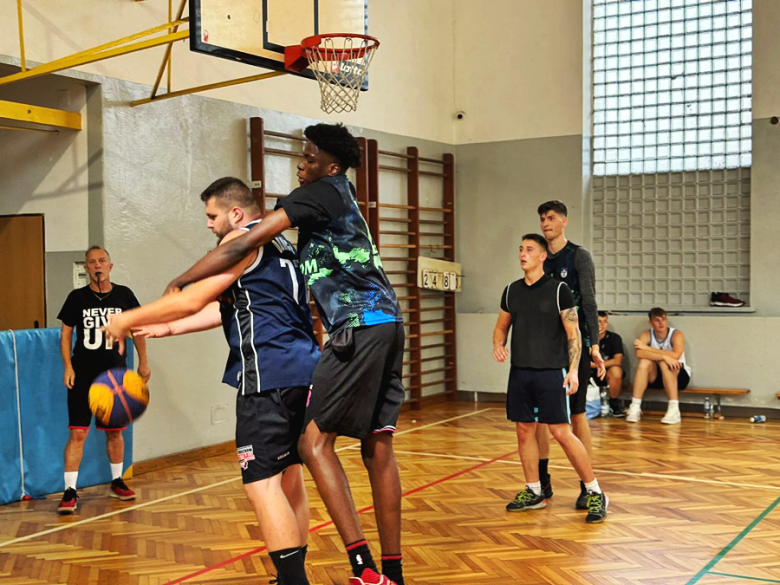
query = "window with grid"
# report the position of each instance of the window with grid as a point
(671, 150)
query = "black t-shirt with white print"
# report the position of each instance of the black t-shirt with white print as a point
(87, 311)
(539, 340)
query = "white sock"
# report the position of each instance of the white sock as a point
(116, 470)
(593, 486)
(71, 478)
(535, 487)
(673, 405)
(637, 401)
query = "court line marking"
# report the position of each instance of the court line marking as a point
(330, 522)
(744, 577)
(604, 471)
(200, 489)
(708, 567)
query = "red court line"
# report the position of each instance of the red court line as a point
(330, 522)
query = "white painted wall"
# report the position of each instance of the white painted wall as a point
(48, 173)
(411, 76)
(518, 69)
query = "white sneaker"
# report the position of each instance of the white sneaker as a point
(634, 413)
(672, 417)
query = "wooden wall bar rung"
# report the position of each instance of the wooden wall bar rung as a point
(434, 235)
(394, 154)
(395, 219)
(429, 309)
(429, 174)
(395, 259)
(399, 246)
(396, 169)
(436, 382)
(391, 206)
(437, 247)
(432, 222)
(438, 370)
(435, 210)
(435, 345)
(436, 333)
(396, 233)
(434, 358)
(429, 321)
(280, 152)
(283, 135)
(399, 271)
(431, 160)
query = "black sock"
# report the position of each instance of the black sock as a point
(614, 404)
(289, 566)
(393, 568)
(582, 487)
(360, 558)
(543, 475)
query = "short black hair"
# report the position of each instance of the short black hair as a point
(603, 314)
(230, 191)
(656, 312)
(336, 140)
(539, 240)
(555, 205)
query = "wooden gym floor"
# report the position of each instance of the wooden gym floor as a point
(693, 503)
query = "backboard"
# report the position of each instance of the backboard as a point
(257, 31)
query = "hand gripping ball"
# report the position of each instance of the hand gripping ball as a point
(118, 397)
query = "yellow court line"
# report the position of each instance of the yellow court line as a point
(601, 471)
(192, 491)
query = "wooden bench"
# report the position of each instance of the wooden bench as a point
(715, 392)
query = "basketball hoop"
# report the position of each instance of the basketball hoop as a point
(340, 64)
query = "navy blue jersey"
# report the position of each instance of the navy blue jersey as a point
(267, 323)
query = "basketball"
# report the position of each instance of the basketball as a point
(118, 397)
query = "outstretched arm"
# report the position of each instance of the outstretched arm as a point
(208, 318)
(226, 256)
(177, 306)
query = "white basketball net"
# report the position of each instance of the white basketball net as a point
(340, 64)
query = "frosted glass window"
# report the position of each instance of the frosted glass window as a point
(674, 65)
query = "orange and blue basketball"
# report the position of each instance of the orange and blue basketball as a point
(118, 397)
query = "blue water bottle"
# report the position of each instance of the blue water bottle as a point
(758, 419)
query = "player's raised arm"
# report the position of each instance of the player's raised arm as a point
(226, 256)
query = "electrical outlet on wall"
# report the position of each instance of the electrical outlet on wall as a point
(219, 414)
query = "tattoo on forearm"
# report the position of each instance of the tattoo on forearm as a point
(570, 315)
(575, 350)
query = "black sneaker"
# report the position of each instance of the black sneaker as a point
(616, 413)
(547, 488)
(68, 503)
(526, 500)
(597, 507)
(582, 499)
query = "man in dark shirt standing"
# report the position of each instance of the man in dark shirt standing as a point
(86, 310)
(567, 262)
(356, 389)
(611, 345)
(543, 318)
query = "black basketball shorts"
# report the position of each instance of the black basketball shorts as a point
(537, 396)
(79, 413)
(357, 388)
(683, 379)
(578, 399)
(268, 426)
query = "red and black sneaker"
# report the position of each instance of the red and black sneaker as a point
(68, 503)
(120, 491)
(370, 577)
(721, 299)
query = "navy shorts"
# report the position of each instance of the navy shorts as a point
(683, 379)
(268, 426)
(537, 396)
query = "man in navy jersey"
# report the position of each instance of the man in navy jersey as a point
(356, 388)
(263, 308)
(570, 263)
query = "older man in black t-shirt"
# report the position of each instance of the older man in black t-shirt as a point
(611, 345)
(543, 319)
(86, 310)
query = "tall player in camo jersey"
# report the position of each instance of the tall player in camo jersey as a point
(356, 389)
(570, 263)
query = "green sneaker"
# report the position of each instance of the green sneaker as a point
(526, 500)
(597, 507)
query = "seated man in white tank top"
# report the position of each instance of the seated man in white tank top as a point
(661, 355)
